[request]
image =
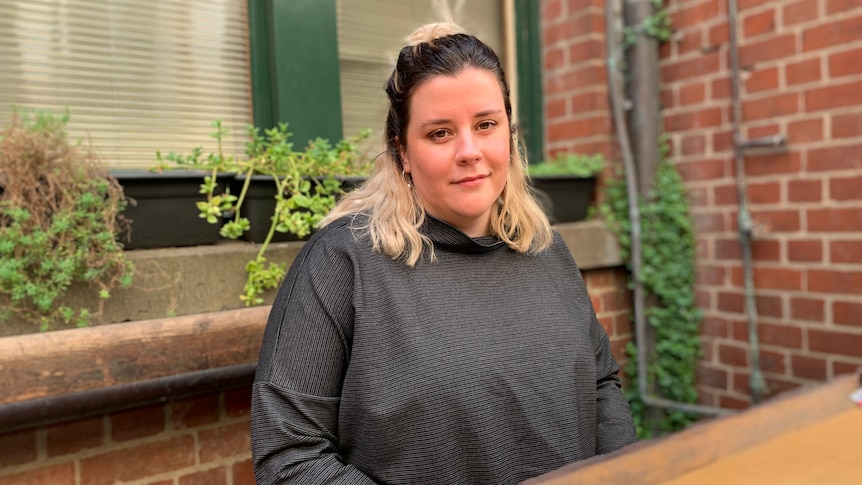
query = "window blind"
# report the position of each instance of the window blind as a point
(135, 76)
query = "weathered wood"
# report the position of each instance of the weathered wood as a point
(64, 361)
(665, 459)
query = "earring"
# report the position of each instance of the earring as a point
(406, 176)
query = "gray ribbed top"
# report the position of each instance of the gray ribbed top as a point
(485, 366)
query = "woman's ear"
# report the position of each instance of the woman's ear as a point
(402, 154)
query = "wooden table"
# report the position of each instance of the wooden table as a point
(811, 436)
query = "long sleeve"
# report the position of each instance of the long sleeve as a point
(614, 425)
(296, 394)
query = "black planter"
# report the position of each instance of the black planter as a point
(564, 199)
(259, 205)
(163, 211)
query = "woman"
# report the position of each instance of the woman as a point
(436, 330)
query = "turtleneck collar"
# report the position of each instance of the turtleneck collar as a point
(448, 238)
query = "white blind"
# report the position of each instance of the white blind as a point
(136, 76)
(370, 35)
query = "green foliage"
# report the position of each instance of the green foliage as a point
(569, 164)
(58, 222)
(668, 278)
(657, 25)
(306, 188)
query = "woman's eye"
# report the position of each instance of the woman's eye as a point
(487, 125)
(438, 134)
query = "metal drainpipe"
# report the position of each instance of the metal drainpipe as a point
(614, 53)
(745, 223)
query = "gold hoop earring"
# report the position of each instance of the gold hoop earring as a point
(407, 178)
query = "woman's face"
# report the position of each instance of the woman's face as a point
(457, 147)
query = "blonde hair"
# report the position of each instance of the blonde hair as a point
(395, 213)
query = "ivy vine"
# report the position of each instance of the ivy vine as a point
(668, 277)
(657, 25)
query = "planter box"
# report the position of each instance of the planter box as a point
(564, 199)
(163, 209)
(259, 205)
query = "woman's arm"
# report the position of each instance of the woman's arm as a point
(305, 351)
(614, 424)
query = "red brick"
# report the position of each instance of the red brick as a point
(692, 93)
(583, 77)
(728, 249)
(834, 219)
(847, 126)
(116, 465)
(725, 195)
(719, 34)
(138, 423)
(733, 355)
(703, 170)
(776, 386)
(764, 193)
(840, 367)
(554, 58)
(839, 6)
(17, 448)
(743, 5)
(195, 412)
(710, 275)
(695, 15)
(758, 23)
(740, 381)
(574, 26)
(846, 188)
(693, 145)
(213, 476)
(731, 302)
(845, 63)
(243, 473)
(74, 436)
(807, 309)
(701, 118)
(833, 281)
(770, 107)
(579, 5)
(805, 191)
(769, 49)
(581, 128)
(779, 335)
(712, 377)
(721, 89)
(805, 130)
(769, 306)
(778, 278)
(552, 10)
(703, 299)
(596, 100)
(587, 50)
(224, 442)
(802, 72)
(763, 131)
(762, 80)
(699, 66)
(808, 367)
(833, 95)
(710, 223)
(840, 31)
(714, 327)
(835, 158)
(784, 162)
(555, 109)
(766, 250)
(778, 220)
(805, 251)
(799, 12)
(730, 402)
(62, 474)
(832, 342)
(847, 313)
(846, 251)
(773, 362)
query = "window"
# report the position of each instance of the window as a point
(135, 76)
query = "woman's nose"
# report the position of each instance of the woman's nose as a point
(468, 149)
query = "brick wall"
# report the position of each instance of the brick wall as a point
(199, 440)
(800, 78)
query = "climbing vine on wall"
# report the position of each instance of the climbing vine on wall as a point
(668, 277)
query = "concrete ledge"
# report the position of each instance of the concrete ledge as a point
(187, 281)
